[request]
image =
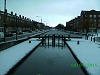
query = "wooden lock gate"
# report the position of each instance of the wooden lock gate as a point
(46, 39)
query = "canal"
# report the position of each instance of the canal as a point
(48, 60)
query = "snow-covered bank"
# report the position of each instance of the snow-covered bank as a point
(88, 53)
(12, 55)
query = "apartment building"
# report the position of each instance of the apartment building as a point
(88, 21)
(14, 22)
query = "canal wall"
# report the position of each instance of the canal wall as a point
(10, 72)
(8, 44)
(87, 52)
(76, 58)
(13, 56)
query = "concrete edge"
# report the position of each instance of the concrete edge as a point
(14, 68)
(78, 61)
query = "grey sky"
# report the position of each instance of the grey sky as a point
(51, 11)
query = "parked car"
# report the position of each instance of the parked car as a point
(8, 34)
(20, 32)
(29, 31)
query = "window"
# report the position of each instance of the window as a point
(94, 20)
(10, 19)
(90, 16)
(98, 20)
(0, 17)
(1, 29)
(7, 18)
(90, 20)
(98, 24)
(98, 15)
(94, 16)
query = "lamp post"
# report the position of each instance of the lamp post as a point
(5, 11)
(16, 24)
(45, 23)
(40, 17)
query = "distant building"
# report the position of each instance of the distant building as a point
(18, 23)
(1, 21)
(88, 21)
(41, 26)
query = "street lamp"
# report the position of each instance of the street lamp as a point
(45, 23)
(4, 20)
(40, 17)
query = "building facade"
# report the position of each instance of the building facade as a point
(88, 21)
(14, 22)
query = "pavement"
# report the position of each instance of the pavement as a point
(11, 56)
(88, 53)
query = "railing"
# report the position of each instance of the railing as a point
(8, 44)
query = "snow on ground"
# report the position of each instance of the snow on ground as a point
(88, 53)
(12, 55)
(99, 34)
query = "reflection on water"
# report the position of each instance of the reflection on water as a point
(49, 61)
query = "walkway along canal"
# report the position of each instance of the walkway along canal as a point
(50, 60)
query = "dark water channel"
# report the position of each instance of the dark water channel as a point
(48, 60)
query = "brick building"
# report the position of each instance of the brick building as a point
(88, 21)
(74, 24)
(1, 21)
(15, 22)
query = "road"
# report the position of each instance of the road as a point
(18, 36)
(24, 35)
(56, 32)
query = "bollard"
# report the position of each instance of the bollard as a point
(91, 38)
(29, 41)
(94, 39)
(68, 36)
(42, 41)
(87, 37)
(78, 42)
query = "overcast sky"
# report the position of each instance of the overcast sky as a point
(51, 11)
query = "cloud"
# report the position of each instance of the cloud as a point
(56, 11)
(53, 11)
